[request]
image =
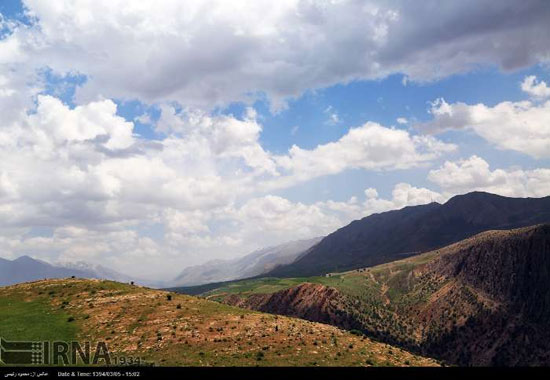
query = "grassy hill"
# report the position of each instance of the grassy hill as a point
(178, 330)
(481, 301)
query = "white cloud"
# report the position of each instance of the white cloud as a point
(403, 194)
(108, 195)
(190, 236)
(371, 146)
(277, 218)
(333, 117)
(371, 193)
(222, 136)
(205, 190)
(474, 173)
(537, 89)
(402, 120)
(407, 195)
(84, 123)
(521, 126)
(207, 53)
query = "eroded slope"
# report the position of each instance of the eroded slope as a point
(482, 301)
(171, 329)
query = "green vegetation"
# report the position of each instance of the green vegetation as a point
(33, 320)
(361, 283)
(260, 286)
(383, 301)
(174, 329)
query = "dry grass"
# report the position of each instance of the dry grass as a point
(190, 331)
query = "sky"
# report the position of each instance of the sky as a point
(154, 135)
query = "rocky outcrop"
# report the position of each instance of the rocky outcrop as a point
(313, 302)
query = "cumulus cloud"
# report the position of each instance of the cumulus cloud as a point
(475, 173)
(106, 194)
(78, 183)
(371, 146)
(535, 88)
(277, 217)
(189, 239)
(521, 126)
(207, 53)
(224, 136)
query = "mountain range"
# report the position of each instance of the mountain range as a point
(393, 235)
(256, 263)
(26, 268)
(373, 240)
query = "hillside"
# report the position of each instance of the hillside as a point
(173, 330)
(394, 235)
(481, 301)
(254, 264)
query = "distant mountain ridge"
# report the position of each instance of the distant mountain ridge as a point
(393, 235)
(26, 268)
(253, 264)
(99, 271)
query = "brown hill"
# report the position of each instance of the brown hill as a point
(482, 301)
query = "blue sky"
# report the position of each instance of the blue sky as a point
(305, 121)
(148, 138)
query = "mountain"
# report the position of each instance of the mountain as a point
(25, 268)
(101, 272)
(482, 301)
(393, 235)
(166, 329)
(253, 264)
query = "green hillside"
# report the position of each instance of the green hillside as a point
(170, 329)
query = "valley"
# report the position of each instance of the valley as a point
(482, 301)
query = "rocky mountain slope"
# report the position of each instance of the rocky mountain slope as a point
(481, 301)
(254, 264)
(393, 235)
(167, 329)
